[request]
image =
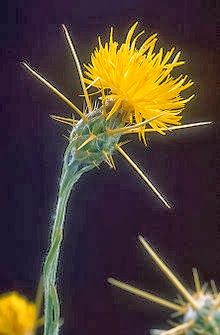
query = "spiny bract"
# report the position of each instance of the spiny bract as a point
(199, 312)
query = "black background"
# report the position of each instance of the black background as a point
(107, 209)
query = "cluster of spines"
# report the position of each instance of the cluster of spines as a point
(200, 311)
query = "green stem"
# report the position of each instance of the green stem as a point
(70, 174)
(52, 317)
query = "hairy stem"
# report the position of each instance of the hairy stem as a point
(51, 301)
(70, 174)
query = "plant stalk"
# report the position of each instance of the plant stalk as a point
(70, 175)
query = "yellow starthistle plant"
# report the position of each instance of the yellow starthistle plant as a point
(198, 312)
(19, 316)
(136, 89)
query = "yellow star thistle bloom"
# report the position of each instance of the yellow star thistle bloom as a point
(199, 311)
(139, 79)
(142, 92)
(18, 316)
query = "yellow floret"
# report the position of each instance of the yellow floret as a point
(139, 81)
(18, 316)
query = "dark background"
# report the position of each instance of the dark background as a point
(107, 209)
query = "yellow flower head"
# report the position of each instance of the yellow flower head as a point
(136, 88)
(139, 80)
(18, 316)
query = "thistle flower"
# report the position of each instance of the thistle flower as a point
(18, 316)
(136, 89)
(139, 80)
(198, 312)
(142, 92)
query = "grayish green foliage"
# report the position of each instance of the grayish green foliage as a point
(75, 163)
